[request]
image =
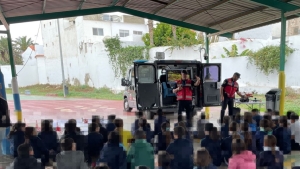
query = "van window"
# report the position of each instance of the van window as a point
(211, 73)
(146, 74)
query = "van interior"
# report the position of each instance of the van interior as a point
(168, 75)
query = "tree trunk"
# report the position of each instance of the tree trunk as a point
(174, 32)
(150, 25)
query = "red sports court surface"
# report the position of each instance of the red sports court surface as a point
(34, 110)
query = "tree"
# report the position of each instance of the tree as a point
(150, 25)
(5, 53)
(22, 43)
(163, 35)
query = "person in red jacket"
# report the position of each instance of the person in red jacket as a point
(228, 90)
(185, 95)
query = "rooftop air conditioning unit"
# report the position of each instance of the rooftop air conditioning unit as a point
(106, 17)
(160, 55)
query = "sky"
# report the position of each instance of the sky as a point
(31, 30)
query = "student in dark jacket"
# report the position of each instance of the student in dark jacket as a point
(39, 148)
(256, 116)
(25, 159)
(71, 132)
(248, 118)
(95, 143)
(265, 129)
(187, 133)
(203, 160)
(164, 160)
(238, 118)
(49, 138)
(17, 134)
(143, 125)
(247, 137)
(283, 136)
(271, 157)
(164, 138)
(213, 145)
(181, 150)
(208, 128)
(227, 142)
(157, 122)
(113, 154)
(110, 126)
(180, 119)
(225, 127)
(201, 126)
(103, 131)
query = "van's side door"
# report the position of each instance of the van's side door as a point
(211, 77)
(131, 89)
(147, 94)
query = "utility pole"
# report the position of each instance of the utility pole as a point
(61, 60)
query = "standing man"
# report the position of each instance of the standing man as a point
(4, 123)
(228, 90)
(185, 95)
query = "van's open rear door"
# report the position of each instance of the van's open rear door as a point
(147, 89)
(211, 76)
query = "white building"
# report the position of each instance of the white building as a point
(84, 56)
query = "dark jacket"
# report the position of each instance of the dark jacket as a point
(38, 146)
(225, 131)
(226, 147)
(4, 112)
(78, 139)
(201, 128)
(257, 119)
(114, 156)
(260, 139)
(50, 139)
(267, 159)
(161, 144)
(95, 144)
(149, 134)
(182, 150)
(110, 127)
(214, 149)
(18, 139)
(157, 124)
(283, 136)
(26, 163)
(104, 133)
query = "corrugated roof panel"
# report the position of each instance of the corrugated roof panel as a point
(144, 6)
(61, 5)
(17, 8)
(243, 4)
(89, 4)
(202, 19)
(295, 2)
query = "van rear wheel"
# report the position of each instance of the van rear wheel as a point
(126, 106)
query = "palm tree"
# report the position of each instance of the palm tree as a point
(150, 25)
(4, 50)
(22, 43)
(174, 32)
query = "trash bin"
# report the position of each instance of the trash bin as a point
(66, 89)
(273, 99)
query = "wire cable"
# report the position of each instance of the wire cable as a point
(32, 49)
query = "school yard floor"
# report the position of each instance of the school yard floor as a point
(36, 108)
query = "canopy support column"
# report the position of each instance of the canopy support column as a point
(207, 61)
(281, 80)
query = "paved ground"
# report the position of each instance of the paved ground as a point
(36, 108)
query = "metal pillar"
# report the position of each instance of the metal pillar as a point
(14, 81)
(61, 60)
(207, 61)
(281, 82)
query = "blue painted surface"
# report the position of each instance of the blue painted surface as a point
(17, 102)
(140, 61)
(5, 144)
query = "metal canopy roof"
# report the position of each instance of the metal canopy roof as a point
(215, 17)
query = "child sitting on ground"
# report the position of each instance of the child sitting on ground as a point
(225, 127)
(203, 159)
(163, 160)
(201, 126)
(256, 116)
(265, 129)
(271, 157)
(283, 136)
(241, 157)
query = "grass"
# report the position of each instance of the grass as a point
(74, 92)
(292, 101)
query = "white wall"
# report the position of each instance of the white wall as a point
(252, 79)
(26, 77)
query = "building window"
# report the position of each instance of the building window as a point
(124, 33)
(137, 32)
(98, 31)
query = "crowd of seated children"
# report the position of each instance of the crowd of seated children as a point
(295, 131)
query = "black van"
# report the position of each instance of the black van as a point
(149, 85)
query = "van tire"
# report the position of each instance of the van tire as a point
(126, 105)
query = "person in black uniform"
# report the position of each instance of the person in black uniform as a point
(228, 90)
